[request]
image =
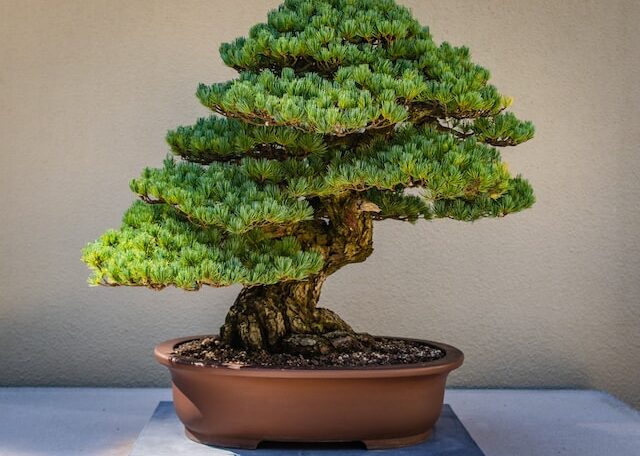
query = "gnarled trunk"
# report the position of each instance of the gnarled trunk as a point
(284, 316)
(263, 316)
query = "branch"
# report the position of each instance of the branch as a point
(447, 125)
(265, 120)
(267, 151)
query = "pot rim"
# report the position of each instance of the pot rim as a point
(452, 359)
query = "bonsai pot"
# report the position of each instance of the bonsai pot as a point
(383, 407)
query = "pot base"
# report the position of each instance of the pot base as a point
(383, 444)
(229, 442)
(252, 444)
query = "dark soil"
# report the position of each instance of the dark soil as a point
(383, 351)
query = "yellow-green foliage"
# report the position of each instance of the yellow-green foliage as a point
(156, 248)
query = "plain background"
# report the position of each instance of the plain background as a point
(545, 298)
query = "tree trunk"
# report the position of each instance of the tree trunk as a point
(263, 316)
(284, 316)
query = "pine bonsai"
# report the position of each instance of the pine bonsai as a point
(344, 112)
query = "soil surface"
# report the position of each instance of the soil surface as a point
(382, 351)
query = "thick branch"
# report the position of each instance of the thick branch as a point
(266, 317)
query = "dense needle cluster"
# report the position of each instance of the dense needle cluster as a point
(336, 100)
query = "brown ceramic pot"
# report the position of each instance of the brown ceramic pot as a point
(383, 407)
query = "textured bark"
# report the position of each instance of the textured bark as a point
(274, 317)
(263, 316)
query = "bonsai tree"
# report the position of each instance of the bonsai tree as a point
(344, 112)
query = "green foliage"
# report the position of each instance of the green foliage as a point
(258, 192)
(234, 198)
(334, 97)
(155, 247)
(220, 139)
(347, 65)
(322, 34)
(504, 129)
(518, 196)
(357, 97)
(399, 206)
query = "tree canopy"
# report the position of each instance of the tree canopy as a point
(334, 99)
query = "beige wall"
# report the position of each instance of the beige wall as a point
(549, 297)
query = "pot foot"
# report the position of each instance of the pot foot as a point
(228, 442)
(383, 444)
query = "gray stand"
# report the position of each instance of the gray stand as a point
(164, 436)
